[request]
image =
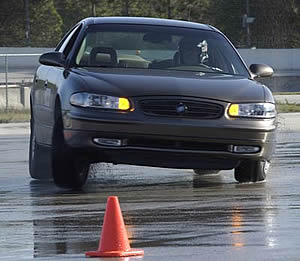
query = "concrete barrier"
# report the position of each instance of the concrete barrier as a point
(283, 61)
(18, 98)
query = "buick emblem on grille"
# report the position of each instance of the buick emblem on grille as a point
(181, 108)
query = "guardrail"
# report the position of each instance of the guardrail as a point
(16, 75)
(6, 82)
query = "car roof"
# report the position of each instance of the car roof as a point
(147, 21)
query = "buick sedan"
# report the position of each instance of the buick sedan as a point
(151, 92)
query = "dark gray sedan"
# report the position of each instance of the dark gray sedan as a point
(150, 92)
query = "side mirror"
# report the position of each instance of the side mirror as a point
(52, 59)
(261, 70)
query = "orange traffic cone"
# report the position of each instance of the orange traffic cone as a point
(114, 241)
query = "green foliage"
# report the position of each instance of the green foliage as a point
(46, 24)
(12, 26)
(195, 10)
(228, 18)
(72, 11)
(276, 22)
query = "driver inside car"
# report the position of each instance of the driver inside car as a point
(191, 52)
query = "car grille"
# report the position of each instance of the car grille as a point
(182, 108)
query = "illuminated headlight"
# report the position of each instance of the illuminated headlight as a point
(252, 110)
(84, 99)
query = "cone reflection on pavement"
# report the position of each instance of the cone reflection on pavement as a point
(114, 241)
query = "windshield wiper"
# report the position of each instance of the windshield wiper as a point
(211, 68)
(97, 66)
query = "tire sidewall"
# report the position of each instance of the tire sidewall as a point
(69, 171)
(32, 149)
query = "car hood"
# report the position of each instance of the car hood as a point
(143, 82)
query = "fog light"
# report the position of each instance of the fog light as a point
(108, 142)
(246, 149)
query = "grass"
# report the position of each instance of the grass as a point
(14, 115)
(286, 93)
(287, 107)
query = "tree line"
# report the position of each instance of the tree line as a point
(247, 23)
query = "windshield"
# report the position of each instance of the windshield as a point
(158, 47)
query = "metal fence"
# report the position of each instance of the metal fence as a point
(16, 77)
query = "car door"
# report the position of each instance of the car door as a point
(39, 107)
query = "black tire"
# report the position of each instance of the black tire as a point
(201, 172)
(251, 171)
(39, 167)
(69, 168)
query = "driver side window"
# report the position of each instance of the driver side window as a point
(66, 45)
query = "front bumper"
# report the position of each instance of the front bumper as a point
(169, 142)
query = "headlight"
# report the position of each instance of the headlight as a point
(252, 110)
(84, 99)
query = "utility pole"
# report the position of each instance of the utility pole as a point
(247, 25)
(27, 17)
(125, 8)
(93, 8)
(246, 21)
(94, 3)
(169, 9)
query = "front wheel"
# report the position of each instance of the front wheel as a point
(70, 171)
(251, 171)
(69, 168)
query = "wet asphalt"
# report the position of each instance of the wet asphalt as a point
(171, 214)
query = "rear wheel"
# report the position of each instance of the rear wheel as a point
(251, 171)
(70, 169)
(202, 172)
(39, 167)
(32, 152)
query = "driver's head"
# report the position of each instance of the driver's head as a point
(189, 51)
